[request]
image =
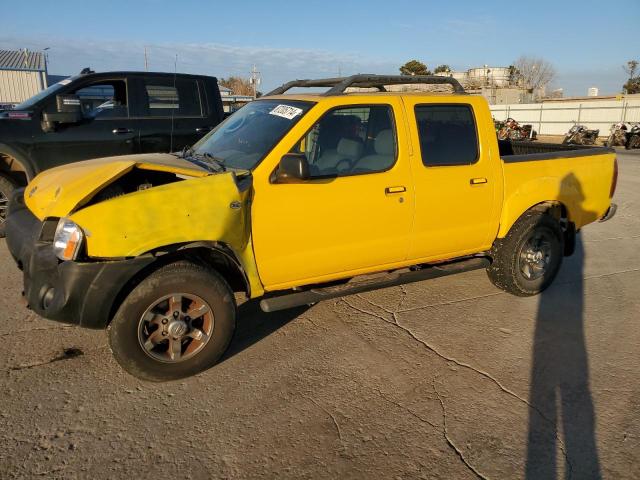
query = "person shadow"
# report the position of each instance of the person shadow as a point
(560, 393)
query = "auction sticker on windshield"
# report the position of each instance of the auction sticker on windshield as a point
(285, 111)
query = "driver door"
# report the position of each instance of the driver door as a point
(352, 216)
(105, 130)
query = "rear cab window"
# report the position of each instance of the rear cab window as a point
(166, 97)
(448, 135)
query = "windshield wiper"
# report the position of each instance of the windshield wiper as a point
(210, 159)
(204, 159)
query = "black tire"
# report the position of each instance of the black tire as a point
(507, 270)
(634, 142)
(182, 278)
(7, 186)
(610, 141)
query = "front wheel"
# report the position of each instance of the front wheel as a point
(7, 186)
(611, 141)
(527, 260)
(174, 324)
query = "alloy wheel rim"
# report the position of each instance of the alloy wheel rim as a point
(175, 327)
(535, 256)
(4, 205)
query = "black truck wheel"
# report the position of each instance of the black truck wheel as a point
(7, 186)
(527, 260)
(175, 323)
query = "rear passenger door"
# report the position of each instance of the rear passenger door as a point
(169, 112)
(455, 180)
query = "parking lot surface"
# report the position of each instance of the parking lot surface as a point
(449, 378)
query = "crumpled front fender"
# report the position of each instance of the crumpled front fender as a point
(210, 208)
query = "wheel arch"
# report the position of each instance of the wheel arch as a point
(15, 165)
(217, 256)
(560, 212)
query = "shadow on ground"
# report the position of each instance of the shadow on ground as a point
(254, 325)
(560, 390)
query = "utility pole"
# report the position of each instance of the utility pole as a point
(255, 81)
(146, 61)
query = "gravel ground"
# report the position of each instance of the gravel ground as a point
(449, 378)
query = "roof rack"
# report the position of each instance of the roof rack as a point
(340, 84)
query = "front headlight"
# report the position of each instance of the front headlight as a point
(67, 240)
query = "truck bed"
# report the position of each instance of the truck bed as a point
(579, 177)
(512, 152)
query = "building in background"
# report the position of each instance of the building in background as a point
(497, 84)
(232, 102)
(592, 92)
(23, 73)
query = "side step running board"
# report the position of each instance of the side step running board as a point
(296, 299)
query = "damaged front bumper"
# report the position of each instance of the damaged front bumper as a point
(81, 293)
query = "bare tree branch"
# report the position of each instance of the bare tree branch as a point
(533, 72)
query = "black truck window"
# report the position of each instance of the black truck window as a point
(448, 135)
(104, 99)
(165, 98)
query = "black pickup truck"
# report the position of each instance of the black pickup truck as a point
(103, 114)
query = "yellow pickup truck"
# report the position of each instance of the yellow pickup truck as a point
(294, 199)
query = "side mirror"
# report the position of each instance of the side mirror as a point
(68, 110)
(293, 168)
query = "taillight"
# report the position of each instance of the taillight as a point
(614, 180)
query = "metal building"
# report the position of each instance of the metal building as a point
(23, 73)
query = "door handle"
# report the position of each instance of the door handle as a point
(203, 129)
(389, 190)
(121, 131)
(478, 181)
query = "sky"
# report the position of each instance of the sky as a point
(586, 41)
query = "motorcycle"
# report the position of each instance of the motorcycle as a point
(617, 135)
(510, 129)
(633, 137)
(580, 135)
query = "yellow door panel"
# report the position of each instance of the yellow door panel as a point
(324, 227)
(457, 181)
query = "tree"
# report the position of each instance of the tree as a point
(631, 68)
(414, 67)
(633, 84)
(514, 75)
(442, 69)
(533, 72)
(238, 85)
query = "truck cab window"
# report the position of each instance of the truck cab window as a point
(352, 140)
(448, 135)
(104, 99)
(166, 97)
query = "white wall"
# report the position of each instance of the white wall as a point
(555, 118)
(18, 85)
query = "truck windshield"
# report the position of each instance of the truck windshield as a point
(247, 136)
(30, 102)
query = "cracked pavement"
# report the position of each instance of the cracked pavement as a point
(449, 378)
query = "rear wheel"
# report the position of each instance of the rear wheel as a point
(527, 260)
(634, 142)
(174, 324)
(7, 186)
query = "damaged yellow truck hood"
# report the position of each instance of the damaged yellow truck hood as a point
(61, 190)
(199, 206)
